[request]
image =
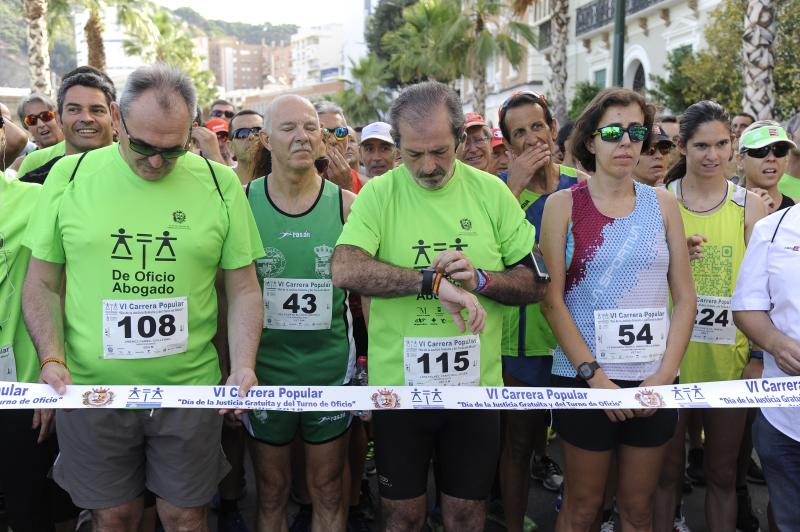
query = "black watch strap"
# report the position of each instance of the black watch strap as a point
(427, 282)
(587, 370)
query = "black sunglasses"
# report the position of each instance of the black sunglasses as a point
(779, 149)
(45, 116)
(662, 147)
(220, 114)
(245, 132)
(143, 148)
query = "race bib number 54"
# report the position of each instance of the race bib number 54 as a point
(145, 328)
(446, 361)
(630, 335)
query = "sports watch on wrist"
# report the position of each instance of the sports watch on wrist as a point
(587, 370)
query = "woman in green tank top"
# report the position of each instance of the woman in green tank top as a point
(718, 217)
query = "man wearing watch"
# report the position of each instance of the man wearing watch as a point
(413, 241)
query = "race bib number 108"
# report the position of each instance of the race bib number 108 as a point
(145, 328)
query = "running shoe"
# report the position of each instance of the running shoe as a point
(608, 525)
(302, 519)
(548, 472)
(694, 469)
(746, 521)
(231, 522)
(754, 473)
(679, 525)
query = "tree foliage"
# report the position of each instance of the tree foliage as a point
(366, 99)
(715, 72)
(387, 17)
(584, 93)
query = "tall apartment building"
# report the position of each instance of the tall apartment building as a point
(317, 54)
(237, 65)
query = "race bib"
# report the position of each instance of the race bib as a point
(8, 365)
(447, 361)
(145, 328)
(630, 335)
(713, 323)
(298, 304)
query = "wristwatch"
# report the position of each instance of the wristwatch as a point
(586, 370)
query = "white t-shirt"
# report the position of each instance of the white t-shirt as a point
(768, 281)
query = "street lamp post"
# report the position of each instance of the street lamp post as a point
(619, 41)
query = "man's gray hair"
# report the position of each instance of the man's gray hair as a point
(31, 98)
(323, 107)
(417, 103)
(166, 80)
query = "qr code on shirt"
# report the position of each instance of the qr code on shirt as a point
(713, 274)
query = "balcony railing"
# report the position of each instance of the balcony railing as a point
(601, 12)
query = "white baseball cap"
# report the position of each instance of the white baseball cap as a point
(377, 130)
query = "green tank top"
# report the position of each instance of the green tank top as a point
(307, 336)
(717, 350)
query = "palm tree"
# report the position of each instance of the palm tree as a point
(760, 28)
(38, 50)
(559, 26)
(366, 99)
(488, 36)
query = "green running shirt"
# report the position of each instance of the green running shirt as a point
(141, 260)
(412, 340)
(18, 360)
(307, 336)
(37, 158)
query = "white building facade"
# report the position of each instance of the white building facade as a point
(318, 54)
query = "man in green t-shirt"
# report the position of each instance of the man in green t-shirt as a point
(141, 229)
(414, 235)
(84, 114)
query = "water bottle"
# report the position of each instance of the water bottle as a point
(361, 379)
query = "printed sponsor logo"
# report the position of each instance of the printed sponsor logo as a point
(145, 397)
(649, 398)
(385, 399)
(98, 397)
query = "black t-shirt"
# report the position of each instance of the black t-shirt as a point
(38, 175)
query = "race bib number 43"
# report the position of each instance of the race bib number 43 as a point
(298, 304)
(713, 323)
(630, 335)
(145, 328)
(447, 361)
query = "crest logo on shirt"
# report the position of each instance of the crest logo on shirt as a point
(272, 264)
(466, 224)
(178, 217)
(98, 397)
(322, 264)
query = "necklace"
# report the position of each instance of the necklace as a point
(683, 202)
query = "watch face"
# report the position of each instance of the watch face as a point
(585, 371)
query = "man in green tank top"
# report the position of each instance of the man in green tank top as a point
(431, 217)
(307, 337)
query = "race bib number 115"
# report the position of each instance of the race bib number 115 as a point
(445, 361)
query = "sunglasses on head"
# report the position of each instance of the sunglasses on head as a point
(44, 116)
(540, 99)
(220, 114)
(339, 132)
(143, 148)
(245, 132)
(663, 148)
(779, 149)
(614, 132)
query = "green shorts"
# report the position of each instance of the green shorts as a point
(279, 428)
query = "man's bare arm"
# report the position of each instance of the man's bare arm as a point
(15, 141)
(354, 269)
(516, 286)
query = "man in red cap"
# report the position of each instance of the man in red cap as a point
(219, 126)
(475, 146)
(499, 153)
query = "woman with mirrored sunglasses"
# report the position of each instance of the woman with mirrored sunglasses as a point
(719, 217)
(763, 155)
(614, 247)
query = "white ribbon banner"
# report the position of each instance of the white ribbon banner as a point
(776, 392)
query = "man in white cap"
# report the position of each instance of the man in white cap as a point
(377, 149)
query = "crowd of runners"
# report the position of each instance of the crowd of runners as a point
(144, 242)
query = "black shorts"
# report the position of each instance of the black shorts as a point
(465, 445)
(591, 430)
(34, 502)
